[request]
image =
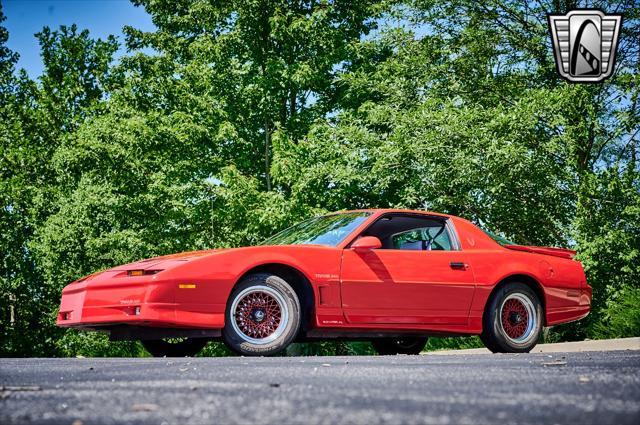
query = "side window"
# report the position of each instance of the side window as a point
(433, 238)
(414, 232)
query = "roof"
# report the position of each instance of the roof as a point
(394, 210)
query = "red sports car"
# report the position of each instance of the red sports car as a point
(393, 277)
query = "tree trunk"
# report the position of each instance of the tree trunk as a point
(267, 148)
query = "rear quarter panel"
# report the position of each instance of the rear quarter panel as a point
(561, 280)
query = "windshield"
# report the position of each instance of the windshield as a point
(502, 241)
(326, 230)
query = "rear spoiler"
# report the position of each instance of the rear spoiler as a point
(545, 250)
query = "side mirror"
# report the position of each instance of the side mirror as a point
(366, 243)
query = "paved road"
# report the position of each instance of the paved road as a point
(572, 388)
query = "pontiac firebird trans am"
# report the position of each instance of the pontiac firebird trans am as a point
(393, 277)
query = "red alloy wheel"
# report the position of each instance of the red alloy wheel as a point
(515, 318)
(258, 314)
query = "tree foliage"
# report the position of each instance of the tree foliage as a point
(233, 120)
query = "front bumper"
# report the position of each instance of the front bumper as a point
(113, 298)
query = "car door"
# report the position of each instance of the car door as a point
(412, 279)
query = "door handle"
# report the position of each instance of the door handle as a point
(458, 265)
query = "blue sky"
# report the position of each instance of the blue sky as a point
(100, 17)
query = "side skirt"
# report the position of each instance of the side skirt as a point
(320, 334)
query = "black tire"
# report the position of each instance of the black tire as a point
(182, 347)
(393, 346)
(262, 316)
(513, 320)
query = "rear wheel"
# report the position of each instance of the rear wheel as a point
(262, 317)
(513, 320)
(392, 346)
(174, 347)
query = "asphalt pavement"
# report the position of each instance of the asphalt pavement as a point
(540, 388)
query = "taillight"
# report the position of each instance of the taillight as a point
(142, 272)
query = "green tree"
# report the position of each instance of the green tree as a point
(271, 64)
(183, 136)
(38, 118)
(15, 268)
(464, 112)
(470, 117)
(248, 116)
(176, 159)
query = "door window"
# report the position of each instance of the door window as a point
(424, 239)
(412, 232)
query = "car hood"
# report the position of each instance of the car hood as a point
(165, 260)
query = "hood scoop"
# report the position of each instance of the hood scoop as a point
(150, 262)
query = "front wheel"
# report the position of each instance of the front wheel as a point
(262, 316)
(392, 346)
(174, 347)
(513, 320)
